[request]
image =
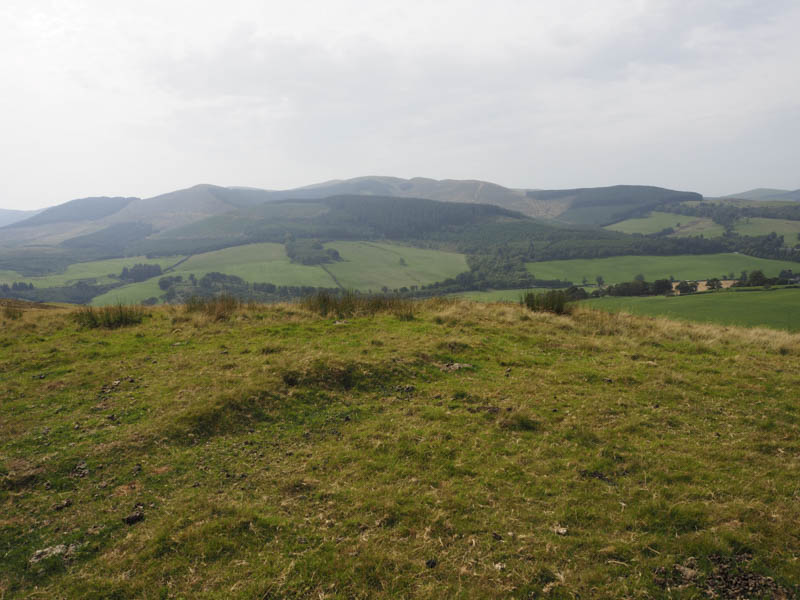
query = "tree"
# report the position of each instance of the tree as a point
(662, 286)
(600, 281)
(687, 287)
(757, 278)
(714, 284)
(638, 277)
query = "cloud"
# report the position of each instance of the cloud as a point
(574, 93)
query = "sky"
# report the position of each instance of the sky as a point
(142, 97)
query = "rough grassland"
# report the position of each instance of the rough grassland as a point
(278, 454)
(778, 308)
(625, 268)
(658, 221)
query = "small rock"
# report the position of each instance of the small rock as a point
(136, 516)
(559, 530)
(137, 468)
(500, 566)
(497, 537)
(431, 563)
(454, 366)
(80, 470)
(62, 505)
(61, 550)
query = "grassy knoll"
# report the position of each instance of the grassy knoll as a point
(757, 226)
(279, 454)
(658, 221)
(369, 265)
(625, 268)
(779, 308)
(98, 270)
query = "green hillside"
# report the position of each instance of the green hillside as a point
(461, 450)
(364, 266)
(759, 226)
(625, 268)
(779, 308)
(657, 221)
(100, 271)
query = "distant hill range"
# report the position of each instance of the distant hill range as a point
(127, 218)
(766, 195)
(7, 217)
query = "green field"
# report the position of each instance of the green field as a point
(99, 270)
(779, 308)
(757, 226)
(364, 266)
(658, 221)
(625, 268)
(369, 265)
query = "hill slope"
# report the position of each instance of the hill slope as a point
(279, 454)
(767, 195)
(90, 216)
(7, 217)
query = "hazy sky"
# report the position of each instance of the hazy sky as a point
(139, 97)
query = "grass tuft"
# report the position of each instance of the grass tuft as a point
(12, 312)
(109, 317)
(219, 308)
(350, 304)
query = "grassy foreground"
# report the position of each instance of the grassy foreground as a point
(474, 450)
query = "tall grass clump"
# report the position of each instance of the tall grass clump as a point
(109, 317)
(554, 301)
(349, 304)
(12, 312)
(218, 308)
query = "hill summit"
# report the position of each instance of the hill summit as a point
(396, 449)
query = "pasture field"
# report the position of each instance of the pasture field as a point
(98, 270)
(256, 263)
(757, 226)
(371, 265)
(454, 450)
(624, 268)
(778, 308)
(365, 266)
(133, 293)
(658, 221)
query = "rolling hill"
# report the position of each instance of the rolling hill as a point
(767, 195)
(8, 217)
(88, 216)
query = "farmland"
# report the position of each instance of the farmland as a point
(100, 270)
(625, 268)
(364, 266)
(778, 309)
(658, 221)
(758, 226)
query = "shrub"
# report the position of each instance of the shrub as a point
(554, 301)
(109, 317)
(218, 307)
(350, 304)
